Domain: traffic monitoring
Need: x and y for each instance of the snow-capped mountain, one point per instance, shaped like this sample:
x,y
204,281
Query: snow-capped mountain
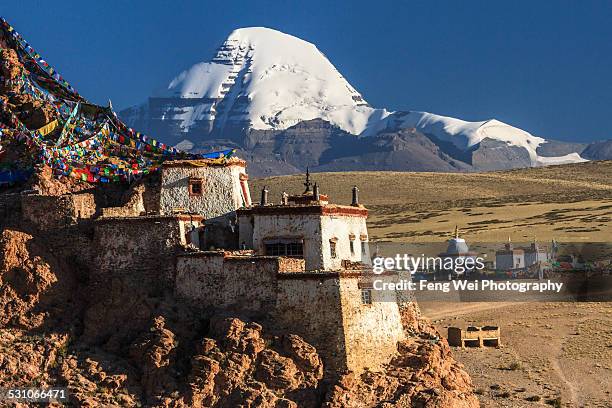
x,y
263,80
265,77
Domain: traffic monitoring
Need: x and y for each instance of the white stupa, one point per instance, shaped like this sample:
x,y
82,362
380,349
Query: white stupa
x,y
457,246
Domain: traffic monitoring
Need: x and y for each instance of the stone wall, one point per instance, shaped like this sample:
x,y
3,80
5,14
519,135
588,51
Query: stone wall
x,y
309,306
327,310
371,331
53,212
131,271
216,279
324,308
141,248
151,195
141,198
221,232
221,189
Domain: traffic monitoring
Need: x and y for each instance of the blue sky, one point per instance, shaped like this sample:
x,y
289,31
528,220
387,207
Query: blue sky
x,y
543,66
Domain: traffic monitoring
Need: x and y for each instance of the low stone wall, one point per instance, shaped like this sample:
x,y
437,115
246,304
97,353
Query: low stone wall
x,y
291,265
53,212
219,279
141,247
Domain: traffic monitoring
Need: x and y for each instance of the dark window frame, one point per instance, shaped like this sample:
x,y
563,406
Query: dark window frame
x,y
366,296
288,249
198,183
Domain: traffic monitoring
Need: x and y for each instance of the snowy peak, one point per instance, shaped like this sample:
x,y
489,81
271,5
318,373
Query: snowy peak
x,y
264,77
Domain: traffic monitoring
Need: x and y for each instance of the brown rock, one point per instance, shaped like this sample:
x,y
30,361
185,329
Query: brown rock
x,y
202,381
304,355
239,336
276,371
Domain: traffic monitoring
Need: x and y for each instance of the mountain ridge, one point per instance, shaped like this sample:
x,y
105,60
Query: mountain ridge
x,y
261,80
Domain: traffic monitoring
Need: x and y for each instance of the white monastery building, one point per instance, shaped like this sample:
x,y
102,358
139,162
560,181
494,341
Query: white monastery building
x,y
327,236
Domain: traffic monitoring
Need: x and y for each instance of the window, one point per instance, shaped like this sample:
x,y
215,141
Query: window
x,y
195,186
352,245
332,249
295,249
290,249
366,296
363,238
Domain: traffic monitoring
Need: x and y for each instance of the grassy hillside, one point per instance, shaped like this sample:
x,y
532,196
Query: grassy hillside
x,y
568,202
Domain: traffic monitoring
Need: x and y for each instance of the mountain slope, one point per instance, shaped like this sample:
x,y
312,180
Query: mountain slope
x,y
263,80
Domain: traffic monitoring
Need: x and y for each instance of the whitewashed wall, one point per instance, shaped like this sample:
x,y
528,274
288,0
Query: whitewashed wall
x,y
221,188
316,231
340,228
306,227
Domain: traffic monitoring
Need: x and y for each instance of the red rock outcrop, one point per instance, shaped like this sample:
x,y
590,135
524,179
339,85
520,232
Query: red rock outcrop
x,y
35,287
423,374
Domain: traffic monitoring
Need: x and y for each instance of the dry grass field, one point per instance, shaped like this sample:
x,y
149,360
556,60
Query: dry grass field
x,y
571,203
557,354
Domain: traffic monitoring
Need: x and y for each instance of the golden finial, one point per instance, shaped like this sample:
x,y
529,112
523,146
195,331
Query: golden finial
x,y
456,232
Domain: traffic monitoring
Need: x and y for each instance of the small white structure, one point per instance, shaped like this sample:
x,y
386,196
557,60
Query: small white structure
x,y
329,237
206,187
511,258
534,254
458,249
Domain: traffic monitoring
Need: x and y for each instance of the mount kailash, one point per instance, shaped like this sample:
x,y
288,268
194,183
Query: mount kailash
x,y
284,106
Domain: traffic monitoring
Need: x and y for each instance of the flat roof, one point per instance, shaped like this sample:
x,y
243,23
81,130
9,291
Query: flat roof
x,y
307,209
153,217
232,161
